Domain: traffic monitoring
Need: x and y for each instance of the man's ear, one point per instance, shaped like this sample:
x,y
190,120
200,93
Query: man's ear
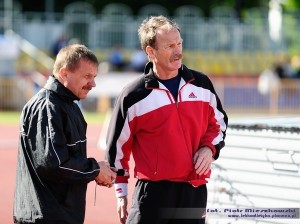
x,y
63,74
149,51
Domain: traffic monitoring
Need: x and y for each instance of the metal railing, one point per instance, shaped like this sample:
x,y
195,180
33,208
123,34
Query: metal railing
x,y
242,95
258,168
238,94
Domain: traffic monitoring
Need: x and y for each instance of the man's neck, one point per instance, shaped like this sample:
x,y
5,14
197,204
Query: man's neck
x,y
163,75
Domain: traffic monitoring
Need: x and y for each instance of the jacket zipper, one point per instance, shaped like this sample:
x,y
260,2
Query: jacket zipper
x,y
156,163
179,100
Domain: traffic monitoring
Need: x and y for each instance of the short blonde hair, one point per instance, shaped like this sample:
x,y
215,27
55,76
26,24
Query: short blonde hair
x,y
69,57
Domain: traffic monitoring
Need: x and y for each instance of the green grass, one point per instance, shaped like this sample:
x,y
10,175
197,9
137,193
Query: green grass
x,y
94,117
13,117
10,117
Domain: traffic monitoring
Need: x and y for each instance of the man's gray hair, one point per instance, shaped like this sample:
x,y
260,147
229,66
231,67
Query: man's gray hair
x,y
148,29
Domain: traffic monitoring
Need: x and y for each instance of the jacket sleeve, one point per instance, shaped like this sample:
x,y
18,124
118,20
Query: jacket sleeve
x,y
119,144
57,152
215,134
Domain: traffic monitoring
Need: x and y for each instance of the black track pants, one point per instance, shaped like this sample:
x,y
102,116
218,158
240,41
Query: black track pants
x,y
166,202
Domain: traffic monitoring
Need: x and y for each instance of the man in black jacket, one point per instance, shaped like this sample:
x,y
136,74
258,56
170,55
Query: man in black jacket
x,y
53,169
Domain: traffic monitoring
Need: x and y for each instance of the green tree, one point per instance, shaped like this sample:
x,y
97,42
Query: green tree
x,y
170,5
291,5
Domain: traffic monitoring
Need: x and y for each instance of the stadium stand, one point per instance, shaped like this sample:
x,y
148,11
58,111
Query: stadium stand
x,y
221,46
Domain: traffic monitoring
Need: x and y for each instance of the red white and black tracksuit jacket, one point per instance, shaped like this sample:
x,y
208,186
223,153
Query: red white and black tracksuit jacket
x,y
162,133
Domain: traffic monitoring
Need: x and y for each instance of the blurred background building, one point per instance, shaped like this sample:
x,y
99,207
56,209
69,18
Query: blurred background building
x,y
233,42
250,49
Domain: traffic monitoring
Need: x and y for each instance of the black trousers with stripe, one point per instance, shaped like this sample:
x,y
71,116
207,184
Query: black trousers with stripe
x,y
166,202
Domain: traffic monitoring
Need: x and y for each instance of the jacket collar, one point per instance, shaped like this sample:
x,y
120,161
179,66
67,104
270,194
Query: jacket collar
x,y
151,79
55,86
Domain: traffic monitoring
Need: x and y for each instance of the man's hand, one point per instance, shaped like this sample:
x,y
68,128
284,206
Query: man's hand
x,y
106,176
122,208
202,160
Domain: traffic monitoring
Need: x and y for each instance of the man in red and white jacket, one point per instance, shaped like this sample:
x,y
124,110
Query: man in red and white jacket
x,y
173,123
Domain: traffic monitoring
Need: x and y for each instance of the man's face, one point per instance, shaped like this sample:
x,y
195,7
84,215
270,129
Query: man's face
x,y
81,80
167,54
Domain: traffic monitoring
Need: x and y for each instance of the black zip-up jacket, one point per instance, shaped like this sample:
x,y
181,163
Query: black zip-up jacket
x,y
53,169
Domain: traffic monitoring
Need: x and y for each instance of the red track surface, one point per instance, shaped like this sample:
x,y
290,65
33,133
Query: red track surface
x,y
103,212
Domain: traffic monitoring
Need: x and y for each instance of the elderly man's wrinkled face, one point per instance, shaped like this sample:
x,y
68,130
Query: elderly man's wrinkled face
x,y
167,54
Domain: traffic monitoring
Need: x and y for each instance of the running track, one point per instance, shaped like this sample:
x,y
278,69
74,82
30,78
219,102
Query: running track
x,y
102,212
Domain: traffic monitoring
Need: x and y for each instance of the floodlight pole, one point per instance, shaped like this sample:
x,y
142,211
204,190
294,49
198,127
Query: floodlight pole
x,y
49,9
275,20
8,15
